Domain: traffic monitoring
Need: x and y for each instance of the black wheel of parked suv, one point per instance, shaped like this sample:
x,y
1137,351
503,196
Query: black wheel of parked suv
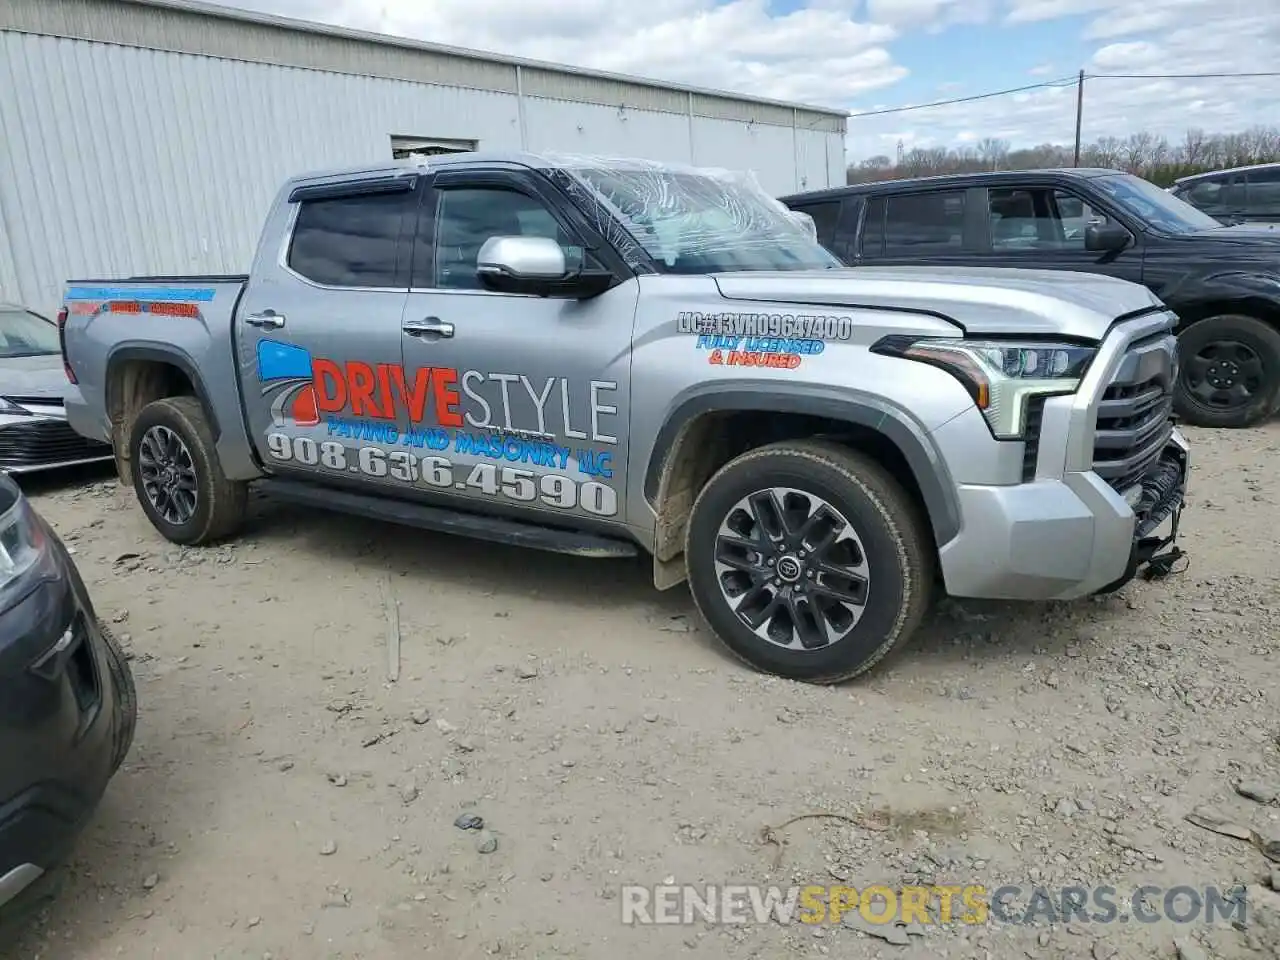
x,y
1230,374
808,560
177,477
126,694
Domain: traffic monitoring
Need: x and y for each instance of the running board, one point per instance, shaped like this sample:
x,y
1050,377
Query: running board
x,y
494,529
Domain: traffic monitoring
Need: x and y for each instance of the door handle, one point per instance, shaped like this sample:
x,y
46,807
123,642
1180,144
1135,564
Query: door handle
x,y
267,318
428,327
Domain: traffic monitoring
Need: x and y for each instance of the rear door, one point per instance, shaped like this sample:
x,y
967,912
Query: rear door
x,y
1263,204
929,226
318,329
836,221
527,398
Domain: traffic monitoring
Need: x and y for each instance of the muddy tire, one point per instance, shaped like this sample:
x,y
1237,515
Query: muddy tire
x,y
126,694
177,477
808,560
1230,372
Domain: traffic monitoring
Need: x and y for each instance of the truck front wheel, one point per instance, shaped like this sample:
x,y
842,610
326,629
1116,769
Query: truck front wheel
x,y
1230,373
808,560
177,477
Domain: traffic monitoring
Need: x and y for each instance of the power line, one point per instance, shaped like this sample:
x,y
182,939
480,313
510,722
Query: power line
x,y
1063,82
1178,76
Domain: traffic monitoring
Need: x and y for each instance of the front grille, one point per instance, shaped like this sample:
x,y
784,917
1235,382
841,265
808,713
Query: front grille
x,y
35,443
1031,449
1134,416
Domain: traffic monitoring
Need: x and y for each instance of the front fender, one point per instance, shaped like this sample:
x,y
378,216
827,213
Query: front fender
x,y
854,407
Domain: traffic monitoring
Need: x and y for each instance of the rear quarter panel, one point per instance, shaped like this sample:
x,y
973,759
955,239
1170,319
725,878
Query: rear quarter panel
x,y
187,323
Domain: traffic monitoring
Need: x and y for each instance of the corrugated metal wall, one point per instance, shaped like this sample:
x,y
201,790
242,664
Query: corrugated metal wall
x,y
118,160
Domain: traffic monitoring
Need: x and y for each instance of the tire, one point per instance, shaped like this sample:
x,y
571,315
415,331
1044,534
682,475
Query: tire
x,y
126,693
219,503
1221,347
894,544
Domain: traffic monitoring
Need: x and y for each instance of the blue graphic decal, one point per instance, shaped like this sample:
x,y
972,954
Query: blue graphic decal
x,y
152,294
761,344
282,361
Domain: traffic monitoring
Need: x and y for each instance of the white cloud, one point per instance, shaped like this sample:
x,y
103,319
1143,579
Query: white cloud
x,y
928,14
1139,37
841,53
820,54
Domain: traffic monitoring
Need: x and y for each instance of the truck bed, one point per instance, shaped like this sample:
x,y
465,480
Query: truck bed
x,y
184,321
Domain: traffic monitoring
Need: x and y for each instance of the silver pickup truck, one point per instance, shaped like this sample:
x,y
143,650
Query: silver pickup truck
x,y
601,357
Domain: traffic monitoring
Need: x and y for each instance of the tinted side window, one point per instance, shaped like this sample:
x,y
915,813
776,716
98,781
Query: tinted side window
x,y
349,241
1038,218
826,217
925,223
465,218
873,228
1264,192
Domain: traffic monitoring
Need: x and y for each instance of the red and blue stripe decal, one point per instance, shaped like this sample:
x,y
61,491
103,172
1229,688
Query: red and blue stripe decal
x,y
161,301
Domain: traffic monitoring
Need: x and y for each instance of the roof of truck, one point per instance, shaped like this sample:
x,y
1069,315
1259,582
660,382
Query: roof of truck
x,y
1192,178
951,179
517,157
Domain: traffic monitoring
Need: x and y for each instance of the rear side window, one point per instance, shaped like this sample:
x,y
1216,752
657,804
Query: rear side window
x,y
873,228
826,217
1264,192
350,241
925,223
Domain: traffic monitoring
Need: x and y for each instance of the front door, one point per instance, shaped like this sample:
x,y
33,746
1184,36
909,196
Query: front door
x,y
1043,228
319,335
526,399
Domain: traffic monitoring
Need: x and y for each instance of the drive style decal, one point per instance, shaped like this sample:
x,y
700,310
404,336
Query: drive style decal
x,y
440,396
497,417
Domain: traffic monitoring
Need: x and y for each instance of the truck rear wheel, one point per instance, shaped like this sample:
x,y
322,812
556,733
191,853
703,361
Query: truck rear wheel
x,y
1230,372
808,560
177,477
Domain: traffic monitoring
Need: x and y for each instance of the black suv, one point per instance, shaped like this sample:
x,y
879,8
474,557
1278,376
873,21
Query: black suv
x,y
67,704
1238,195
1222,282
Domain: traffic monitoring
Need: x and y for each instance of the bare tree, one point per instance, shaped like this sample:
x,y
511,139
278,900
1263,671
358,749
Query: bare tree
x,y
1142,153
993,152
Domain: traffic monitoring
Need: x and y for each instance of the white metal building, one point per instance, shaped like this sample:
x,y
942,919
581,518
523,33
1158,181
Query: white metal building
x,y
149,136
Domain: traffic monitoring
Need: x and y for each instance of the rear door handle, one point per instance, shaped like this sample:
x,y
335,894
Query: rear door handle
x,y
428,327
267,318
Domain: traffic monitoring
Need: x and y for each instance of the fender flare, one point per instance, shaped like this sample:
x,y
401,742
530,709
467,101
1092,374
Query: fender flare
x,y
174,357
849,406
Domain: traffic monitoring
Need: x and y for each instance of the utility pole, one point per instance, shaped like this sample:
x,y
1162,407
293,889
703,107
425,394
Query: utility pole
x,y
1079,113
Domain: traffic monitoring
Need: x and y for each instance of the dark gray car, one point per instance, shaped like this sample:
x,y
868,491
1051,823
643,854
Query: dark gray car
x,y
34,434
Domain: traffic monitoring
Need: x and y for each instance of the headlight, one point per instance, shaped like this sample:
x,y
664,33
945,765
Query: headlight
x,y
22,543
8,406
1000,375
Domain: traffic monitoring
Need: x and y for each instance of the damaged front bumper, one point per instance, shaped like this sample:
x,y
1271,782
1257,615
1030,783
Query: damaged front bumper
x,y
1061,539
1159,499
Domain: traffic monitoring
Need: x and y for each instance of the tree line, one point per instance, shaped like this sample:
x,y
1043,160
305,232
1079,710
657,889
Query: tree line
x,y
1152,157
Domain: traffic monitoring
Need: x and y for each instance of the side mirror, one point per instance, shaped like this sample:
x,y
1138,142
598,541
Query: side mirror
x,y
537,266
1106,238
522,258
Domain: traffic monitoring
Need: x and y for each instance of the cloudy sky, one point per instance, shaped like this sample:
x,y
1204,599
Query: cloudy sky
x,y
865,55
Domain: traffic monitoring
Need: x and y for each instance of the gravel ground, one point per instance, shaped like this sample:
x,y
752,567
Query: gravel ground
x,y
284,800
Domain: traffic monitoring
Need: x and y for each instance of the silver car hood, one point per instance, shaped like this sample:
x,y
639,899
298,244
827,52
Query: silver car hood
x,y
983,300
33,378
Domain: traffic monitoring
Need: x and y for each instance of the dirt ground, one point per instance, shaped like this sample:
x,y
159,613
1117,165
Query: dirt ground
x,y
283,800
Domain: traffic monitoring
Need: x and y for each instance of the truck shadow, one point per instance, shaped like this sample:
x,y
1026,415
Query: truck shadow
x,y
954,630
